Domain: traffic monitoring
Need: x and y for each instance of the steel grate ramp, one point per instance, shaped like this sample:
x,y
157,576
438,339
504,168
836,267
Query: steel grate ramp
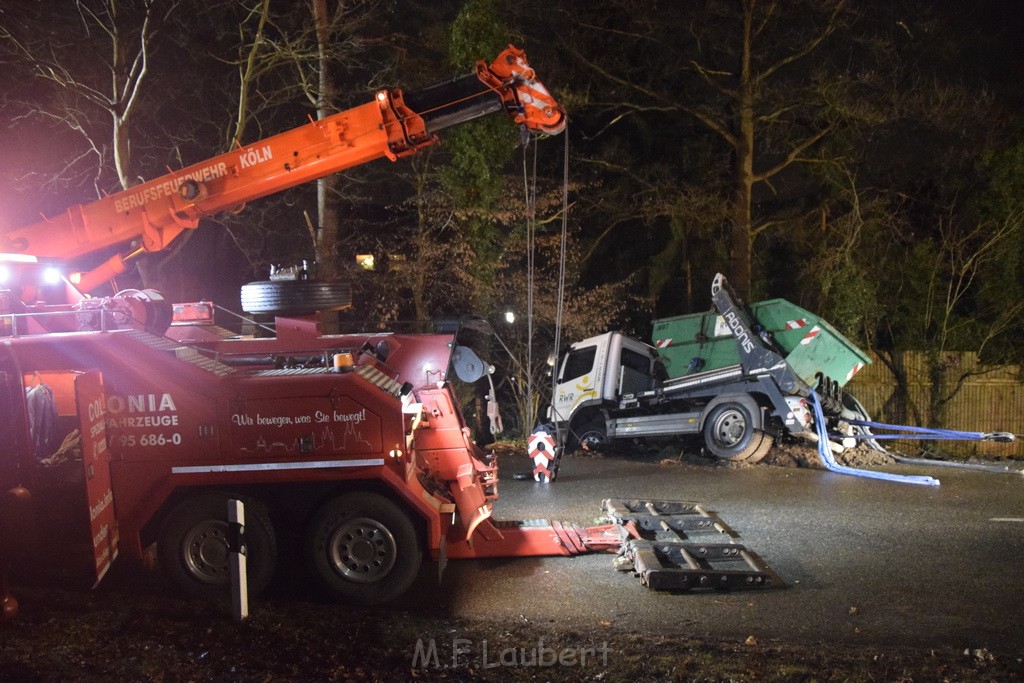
x,y
377,377
678,546
180,351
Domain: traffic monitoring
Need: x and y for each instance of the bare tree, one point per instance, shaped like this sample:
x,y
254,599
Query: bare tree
x,y
753,72
85,91
284,56
964,252
586,311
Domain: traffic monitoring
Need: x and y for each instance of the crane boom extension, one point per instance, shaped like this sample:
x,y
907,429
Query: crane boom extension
x,y
157,211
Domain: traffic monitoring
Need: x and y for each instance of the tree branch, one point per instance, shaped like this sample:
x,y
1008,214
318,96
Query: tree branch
x,y
808,47
793,155
709,77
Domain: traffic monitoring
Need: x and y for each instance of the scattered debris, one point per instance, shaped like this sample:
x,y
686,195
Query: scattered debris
x,y
980,655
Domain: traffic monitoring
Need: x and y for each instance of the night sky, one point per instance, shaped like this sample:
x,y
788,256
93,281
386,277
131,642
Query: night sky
x,y
33,150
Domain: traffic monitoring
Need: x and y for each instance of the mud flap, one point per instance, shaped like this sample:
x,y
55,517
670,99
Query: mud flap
x,y
678,546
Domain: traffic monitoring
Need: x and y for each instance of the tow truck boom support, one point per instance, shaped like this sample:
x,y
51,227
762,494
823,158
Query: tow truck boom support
x,y
157,211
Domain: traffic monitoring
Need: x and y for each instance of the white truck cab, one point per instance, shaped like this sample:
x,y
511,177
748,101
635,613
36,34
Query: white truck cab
x,y
595,377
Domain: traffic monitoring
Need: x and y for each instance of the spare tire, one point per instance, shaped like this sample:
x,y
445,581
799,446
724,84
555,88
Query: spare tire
x,y
295,297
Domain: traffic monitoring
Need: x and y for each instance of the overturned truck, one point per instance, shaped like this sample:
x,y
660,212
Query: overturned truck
x,y
740,377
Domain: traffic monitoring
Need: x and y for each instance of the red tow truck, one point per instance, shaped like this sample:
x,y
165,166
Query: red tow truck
x,y
128,422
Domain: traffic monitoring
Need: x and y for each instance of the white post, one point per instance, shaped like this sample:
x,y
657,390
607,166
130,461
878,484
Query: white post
x,y
236,544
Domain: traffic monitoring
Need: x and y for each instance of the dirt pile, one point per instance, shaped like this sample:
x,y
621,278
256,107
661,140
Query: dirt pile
x,y
781,455
804,455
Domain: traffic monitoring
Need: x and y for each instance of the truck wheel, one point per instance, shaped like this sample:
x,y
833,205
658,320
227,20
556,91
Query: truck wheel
x,y
589,434
193,546
730,431
295,297
765,445
363,549
593,436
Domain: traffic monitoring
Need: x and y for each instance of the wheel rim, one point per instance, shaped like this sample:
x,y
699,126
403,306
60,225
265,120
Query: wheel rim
x,y
362,550
593,439
729,428
206,551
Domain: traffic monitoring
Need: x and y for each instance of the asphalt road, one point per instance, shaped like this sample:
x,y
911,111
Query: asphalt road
x,y
863,561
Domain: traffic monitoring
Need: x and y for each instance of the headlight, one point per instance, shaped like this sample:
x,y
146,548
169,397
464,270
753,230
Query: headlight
x,y
51,276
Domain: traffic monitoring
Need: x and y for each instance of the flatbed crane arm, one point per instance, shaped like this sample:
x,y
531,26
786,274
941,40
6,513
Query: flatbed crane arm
x,y
154,213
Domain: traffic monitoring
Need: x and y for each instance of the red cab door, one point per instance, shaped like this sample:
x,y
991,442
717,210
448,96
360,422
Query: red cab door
x,y
96,463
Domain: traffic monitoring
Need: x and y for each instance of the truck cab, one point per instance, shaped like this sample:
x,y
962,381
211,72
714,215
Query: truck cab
x,y
56,505
612,388
596,373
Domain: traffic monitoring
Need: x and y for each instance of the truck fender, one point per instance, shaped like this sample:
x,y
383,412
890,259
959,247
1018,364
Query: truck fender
x,y
586,406
742,398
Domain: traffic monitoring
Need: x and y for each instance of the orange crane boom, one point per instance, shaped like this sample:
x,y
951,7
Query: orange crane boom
x,y
154,213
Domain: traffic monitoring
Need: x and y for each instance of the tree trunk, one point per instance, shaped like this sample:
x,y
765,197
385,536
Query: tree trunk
x,y
326,240
740,237
327,207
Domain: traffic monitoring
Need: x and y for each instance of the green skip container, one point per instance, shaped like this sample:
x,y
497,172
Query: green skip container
x,y
702,341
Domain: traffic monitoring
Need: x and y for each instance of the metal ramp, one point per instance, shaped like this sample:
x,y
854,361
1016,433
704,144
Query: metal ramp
x,y
678,546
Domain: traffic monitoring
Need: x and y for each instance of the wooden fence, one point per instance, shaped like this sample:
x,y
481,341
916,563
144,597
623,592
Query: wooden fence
x,y
990,399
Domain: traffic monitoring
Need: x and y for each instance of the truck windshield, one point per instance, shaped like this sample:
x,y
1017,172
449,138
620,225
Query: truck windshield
x,y
578,363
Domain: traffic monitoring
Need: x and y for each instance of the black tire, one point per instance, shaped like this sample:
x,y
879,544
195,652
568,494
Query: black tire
x,y
157,311
591,434
767,441
193,548
363,549
731,431
295,297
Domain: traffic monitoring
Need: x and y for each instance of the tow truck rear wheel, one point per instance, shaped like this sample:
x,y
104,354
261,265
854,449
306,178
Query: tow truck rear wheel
x,y
193,546
731,431
363,549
